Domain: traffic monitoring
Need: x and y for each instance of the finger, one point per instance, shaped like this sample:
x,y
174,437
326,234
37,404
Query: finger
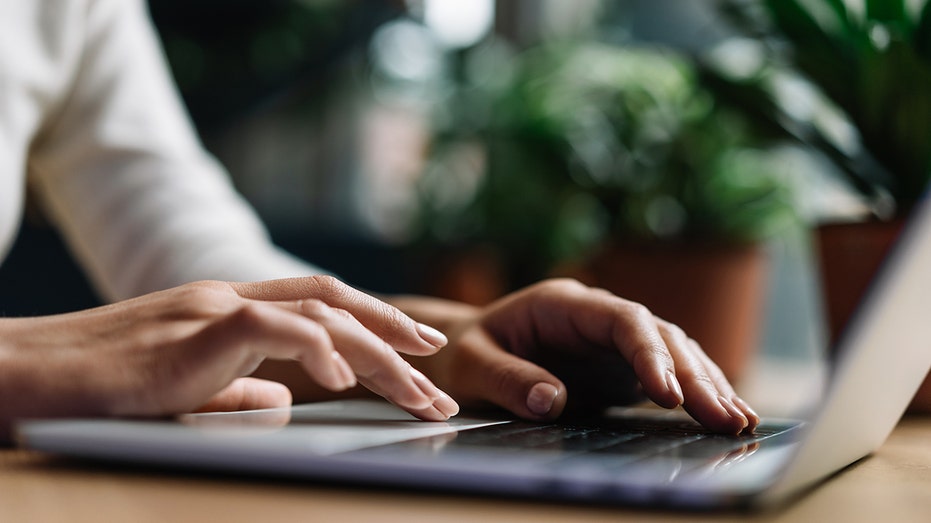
x,y
377,365
707,394
232,346
568,313
248,394
386,321
489,373
717,375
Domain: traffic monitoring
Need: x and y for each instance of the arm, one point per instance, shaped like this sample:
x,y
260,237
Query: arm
x,y
145,208
124,177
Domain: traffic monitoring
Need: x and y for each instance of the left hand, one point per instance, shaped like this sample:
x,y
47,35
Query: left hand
x,y
602,346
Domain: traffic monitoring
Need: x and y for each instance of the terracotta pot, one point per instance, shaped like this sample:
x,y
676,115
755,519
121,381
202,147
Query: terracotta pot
x,y
714,292
475,276
850,254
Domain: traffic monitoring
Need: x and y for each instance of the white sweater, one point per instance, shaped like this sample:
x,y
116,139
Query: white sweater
x,y
89,115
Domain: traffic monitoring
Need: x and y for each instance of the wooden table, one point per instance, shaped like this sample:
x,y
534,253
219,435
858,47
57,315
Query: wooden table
x,y
893,485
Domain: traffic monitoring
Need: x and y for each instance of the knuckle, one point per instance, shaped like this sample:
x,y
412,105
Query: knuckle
x,y
564,285
206,298
248,316
637,312
504,377
313,307
556,288
394,320
676,333
342,313
697,376
649,353
598,291
328,286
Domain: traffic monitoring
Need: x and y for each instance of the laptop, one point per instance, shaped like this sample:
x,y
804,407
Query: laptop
x,y
631,456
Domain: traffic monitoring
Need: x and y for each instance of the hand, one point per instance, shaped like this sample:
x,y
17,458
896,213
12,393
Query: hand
x,y
187,348
606,350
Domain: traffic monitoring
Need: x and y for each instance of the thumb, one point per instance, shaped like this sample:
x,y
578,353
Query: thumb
x,y
248,394
492,374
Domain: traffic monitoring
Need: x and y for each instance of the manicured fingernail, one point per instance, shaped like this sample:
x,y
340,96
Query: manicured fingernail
x,y
442,402
733,411
751,414
431,335
433,414
673,385
541,397
345,376
446,405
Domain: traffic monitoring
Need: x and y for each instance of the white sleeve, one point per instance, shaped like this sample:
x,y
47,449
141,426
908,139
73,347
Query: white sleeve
x,y
123,175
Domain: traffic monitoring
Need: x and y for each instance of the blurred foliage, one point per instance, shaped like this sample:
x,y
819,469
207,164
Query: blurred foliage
x,y
870,60
551,152
228,56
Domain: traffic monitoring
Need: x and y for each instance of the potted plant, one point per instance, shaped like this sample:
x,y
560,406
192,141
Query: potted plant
x,y
612,165
871,67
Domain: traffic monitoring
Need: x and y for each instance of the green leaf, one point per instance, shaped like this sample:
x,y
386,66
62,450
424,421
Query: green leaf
x,y
895,116
922,34
821,49
887,11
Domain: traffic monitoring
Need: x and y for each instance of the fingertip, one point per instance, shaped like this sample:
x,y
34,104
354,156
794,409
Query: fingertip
x,y
435,338
446,404
541,398
520,386
753,418
738,421
674,390
426,395
430,413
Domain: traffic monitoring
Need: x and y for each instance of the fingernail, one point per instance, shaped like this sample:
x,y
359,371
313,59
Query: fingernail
x,y
442,402
673,385
433,414
733,411
751,414
446,405
541,397
431,335
345,376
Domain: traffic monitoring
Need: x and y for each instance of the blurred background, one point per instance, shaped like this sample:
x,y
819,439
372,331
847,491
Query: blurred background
x,y
467,148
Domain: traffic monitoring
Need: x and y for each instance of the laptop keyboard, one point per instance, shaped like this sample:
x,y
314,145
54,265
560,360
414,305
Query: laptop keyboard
x,y
618,443
654,450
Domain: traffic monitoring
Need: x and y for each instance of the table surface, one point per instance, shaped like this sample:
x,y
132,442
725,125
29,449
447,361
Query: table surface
x,y
892,485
